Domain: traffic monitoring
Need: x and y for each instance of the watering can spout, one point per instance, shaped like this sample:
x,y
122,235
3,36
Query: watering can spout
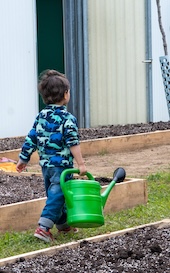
x,y
118,176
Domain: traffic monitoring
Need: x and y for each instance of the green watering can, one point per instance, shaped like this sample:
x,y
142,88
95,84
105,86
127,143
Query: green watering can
x,y
84,201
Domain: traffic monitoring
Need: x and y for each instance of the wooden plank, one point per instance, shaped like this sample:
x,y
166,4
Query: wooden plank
x,y
21,216
126,195
125,143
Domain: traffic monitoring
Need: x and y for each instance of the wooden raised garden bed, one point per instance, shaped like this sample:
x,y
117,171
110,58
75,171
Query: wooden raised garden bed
x,y
24,215
55,249
109,144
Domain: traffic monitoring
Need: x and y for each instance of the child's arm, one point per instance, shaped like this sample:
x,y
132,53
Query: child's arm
x,y
28,148
76,152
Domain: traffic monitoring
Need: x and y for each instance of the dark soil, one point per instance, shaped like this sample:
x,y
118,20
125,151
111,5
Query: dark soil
x,y
146,250
121,130
15,189
98,132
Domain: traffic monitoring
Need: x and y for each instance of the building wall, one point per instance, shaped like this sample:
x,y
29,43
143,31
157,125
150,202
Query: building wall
x,y
160,109
18,69
116,51
117,74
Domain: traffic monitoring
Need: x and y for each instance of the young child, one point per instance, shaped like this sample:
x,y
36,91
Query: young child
x,y
55,136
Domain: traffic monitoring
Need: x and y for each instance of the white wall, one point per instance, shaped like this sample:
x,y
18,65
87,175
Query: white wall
x,y
160,110
18,69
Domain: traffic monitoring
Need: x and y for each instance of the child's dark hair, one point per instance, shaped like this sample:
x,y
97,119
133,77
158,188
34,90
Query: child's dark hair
x,y
52,86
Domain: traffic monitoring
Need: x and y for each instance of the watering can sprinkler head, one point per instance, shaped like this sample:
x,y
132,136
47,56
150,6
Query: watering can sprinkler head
x,y
119,175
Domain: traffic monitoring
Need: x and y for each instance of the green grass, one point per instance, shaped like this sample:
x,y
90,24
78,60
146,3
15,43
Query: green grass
x,y
157,208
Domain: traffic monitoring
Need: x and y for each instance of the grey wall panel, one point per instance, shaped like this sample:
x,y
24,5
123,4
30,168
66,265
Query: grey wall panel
x,y
116,51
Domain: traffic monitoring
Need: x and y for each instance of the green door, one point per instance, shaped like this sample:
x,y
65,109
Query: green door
x,y
50,41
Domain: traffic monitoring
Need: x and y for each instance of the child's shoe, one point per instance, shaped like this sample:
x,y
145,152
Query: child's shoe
x,y
68,230
41,234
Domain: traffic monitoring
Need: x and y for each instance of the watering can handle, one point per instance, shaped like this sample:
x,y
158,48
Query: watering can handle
x,y
71,171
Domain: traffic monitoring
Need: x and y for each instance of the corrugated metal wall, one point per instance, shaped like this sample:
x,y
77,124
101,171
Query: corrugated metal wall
x,y
160,110
116,51
18,84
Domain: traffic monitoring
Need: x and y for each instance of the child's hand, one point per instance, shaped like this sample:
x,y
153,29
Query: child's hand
x,y
82,169
21,166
